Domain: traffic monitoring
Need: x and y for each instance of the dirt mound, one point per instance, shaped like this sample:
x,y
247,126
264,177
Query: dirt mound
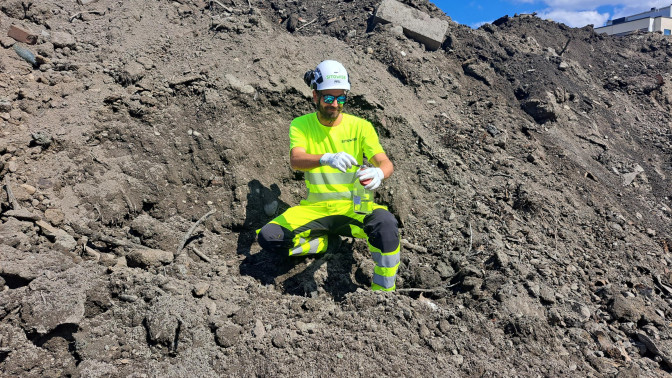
x,y
532,183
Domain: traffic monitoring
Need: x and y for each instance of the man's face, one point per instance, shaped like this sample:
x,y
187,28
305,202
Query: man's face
x,y
328,111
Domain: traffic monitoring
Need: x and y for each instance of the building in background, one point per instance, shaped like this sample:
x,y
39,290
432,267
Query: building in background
x,y
655,20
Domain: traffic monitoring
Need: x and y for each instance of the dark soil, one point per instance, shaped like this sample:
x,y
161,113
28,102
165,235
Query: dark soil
x,y
532,183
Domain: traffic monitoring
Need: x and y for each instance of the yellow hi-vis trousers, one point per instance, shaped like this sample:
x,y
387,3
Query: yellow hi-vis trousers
x,y
304,229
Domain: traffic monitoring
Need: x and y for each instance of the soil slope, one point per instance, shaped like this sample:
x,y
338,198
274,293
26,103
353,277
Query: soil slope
x,y
532,182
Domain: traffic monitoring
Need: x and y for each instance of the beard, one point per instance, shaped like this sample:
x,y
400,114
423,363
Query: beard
x,y
329,113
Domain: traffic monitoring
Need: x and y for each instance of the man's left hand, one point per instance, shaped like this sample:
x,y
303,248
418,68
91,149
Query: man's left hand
x,y
375,174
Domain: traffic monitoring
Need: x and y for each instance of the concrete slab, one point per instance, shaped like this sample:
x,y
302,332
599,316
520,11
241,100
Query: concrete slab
x,y
416,24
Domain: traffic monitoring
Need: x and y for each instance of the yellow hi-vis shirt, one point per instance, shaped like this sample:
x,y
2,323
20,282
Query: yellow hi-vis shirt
x,y
353,135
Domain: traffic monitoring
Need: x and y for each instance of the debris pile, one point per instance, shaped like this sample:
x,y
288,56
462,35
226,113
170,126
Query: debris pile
x,y
143,143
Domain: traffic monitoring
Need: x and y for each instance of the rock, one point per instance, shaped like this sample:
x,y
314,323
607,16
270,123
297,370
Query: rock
x,y
629,309
563,66
147,63
258,331
6,42
628,178
279,340
200,289
53,301
417,25
161,327
533,289
479,70
29,189
5,105
24,268
147,257
62,240
457,359
20,192
227,335
584,311
154,233
54,216
472,283
41,139
65,242
16,114
13,166
292,22
238,85
547,294
501,258
131,73
62,39
22,214
542,111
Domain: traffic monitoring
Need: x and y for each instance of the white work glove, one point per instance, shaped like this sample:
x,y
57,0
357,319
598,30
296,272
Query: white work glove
x,y
341,160
376,176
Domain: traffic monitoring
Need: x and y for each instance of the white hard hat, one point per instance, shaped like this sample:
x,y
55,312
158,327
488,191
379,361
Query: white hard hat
x,y
329,74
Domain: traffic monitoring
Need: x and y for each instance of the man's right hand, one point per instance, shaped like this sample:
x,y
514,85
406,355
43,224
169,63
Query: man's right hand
x,y
340,160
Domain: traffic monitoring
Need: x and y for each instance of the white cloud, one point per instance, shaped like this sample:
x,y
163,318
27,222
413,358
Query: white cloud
x,y
579,13
586,5
630,9
576,19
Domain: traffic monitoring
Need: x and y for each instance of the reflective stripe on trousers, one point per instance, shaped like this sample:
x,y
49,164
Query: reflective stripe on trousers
x,y
311,247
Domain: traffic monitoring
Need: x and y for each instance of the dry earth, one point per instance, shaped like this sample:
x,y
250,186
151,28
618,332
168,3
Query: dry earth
x,y
532,183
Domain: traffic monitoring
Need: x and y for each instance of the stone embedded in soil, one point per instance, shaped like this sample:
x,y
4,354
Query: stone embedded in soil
x,y
227,335
201,288
239,85
146,62
25,267
62,39
417,25
54,216
259,331
29,189
629,309
279,340
5,105
147,257
20,193
22,214
546,294
55,301
161,327
62,240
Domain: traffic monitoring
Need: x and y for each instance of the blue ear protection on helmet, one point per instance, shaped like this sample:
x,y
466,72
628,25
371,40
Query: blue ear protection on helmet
x,y
312,78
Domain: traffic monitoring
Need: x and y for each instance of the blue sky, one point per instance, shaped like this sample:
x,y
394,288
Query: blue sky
x,y
575,13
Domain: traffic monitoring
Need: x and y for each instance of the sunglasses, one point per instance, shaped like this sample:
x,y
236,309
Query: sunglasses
x,y
329,99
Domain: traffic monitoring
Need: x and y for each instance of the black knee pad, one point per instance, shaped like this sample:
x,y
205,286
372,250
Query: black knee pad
x,y
382,229
275,238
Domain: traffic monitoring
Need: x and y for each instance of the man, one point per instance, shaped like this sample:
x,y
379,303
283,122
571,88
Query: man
x,y
329,146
